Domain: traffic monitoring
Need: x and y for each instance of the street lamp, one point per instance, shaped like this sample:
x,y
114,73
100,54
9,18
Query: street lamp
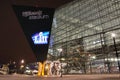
x,y
22,61
117,55
22,66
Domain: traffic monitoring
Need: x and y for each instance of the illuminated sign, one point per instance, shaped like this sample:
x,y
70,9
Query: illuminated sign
x,y
40,38
34,15
36,23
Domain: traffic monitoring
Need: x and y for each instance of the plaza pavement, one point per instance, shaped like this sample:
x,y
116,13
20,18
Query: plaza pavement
x,y
64,77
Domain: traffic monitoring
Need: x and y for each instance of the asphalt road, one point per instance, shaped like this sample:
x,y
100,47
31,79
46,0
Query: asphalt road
x,y
66,77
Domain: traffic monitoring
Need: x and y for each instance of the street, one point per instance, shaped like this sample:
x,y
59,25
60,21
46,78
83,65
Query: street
x,y
65,77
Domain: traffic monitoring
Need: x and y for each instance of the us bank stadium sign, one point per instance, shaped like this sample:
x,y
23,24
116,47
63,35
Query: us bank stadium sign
x,y
36,23
32,15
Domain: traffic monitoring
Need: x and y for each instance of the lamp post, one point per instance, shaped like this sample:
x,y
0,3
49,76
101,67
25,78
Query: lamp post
x,y
117,55
22,63
22,66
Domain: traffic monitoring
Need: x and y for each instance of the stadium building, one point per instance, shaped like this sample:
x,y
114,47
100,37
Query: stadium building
x,y
85,36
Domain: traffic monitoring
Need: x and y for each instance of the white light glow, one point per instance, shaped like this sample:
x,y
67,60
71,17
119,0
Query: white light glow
x,y
60,50
113,34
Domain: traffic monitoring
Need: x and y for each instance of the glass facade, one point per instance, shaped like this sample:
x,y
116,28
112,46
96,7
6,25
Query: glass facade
x,y
81,34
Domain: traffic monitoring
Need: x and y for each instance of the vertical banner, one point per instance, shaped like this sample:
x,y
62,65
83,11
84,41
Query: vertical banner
x,y
36,23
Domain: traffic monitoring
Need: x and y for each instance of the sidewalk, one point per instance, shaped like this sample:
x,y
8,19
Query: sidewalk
x,y
84,77
93,77
64,77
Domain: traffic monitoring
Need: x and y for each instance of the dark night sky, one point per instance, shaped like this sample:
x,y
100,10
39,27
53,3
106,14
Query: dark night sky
x,y
13,43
